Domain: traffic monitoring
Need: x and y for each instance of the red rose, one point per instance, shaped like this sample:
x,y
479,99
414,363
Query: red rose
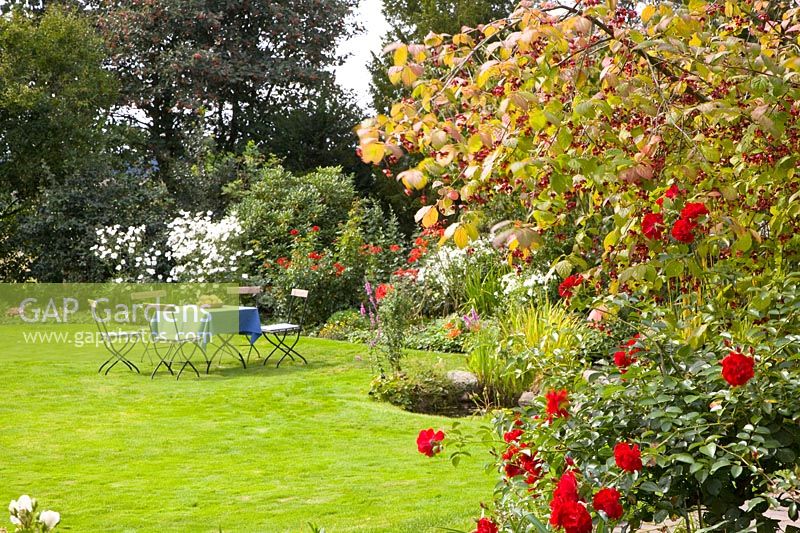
x,y
339,268
575,518
607,500
682,230
394,247
512,435
315,228
485,525
623,359
628,457
316,256
382,290
557,402
693,210
566,488
652,226
565,509
737,369
566,286
672,192
429,442
293,232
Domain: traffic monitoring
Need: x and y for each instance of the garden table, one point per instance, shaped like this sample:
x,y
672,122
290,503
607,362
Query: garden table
x,y
201,325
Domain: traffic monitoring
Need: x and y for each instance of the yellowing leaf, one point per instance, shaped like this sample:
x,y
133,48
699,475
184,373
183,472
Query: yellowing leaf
x,y
373,153
401,55
413,179
428,215
395,73
647,13
695,40
461,237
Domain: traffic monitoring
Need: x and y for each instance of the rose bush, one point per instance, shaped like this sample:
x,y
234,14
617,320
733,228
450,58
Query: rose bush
x,y
667,141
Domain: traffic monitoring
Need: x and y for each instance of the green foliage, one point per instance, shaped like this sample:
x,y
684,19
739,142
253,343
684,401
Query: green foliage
x,y
423,389
348,325
364,247
526,344
411,20
437,335
58,233
220,67
390,308
54,94
276,201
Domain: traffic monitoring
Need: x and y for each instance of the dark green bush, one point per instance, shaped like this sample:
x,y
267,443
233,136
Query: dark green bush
x,y
422,390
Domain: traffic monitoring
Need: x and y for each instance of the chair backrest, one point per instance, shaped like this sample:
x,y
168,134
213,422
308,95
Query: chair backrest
x,y
163,321
294,296
253,290
101,324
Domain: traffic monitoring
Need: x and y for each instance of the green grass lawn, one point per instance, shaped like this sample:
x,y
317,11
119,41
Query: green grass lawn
x,y
255,450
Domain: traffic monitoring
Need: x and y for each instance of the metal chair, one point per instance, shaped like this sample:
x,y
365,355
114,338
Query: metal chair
x,y
171,325
148,338
276,334
111,339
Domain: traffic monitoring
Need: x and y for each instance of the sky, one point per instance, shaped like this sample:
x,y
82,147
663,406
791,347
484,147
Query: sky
x,y
354,74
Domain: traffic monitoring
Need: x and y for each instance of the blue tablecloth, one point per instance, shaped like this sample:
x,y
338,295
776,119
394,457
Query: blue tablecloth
x,y
224,320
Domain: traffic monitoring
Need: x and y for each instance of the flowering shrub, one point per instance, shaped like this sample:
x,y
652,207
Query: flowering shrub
x,y
669,141
27,520
194,248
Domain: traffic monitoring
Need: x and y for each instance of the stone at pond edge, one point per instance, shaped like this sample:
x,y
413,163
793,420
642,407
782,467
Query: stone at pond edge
x,y
527,399
464,381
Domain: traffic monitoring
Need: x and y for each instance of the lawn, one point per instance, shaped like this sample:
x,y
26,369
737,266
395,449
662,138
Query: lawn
x,y
255,450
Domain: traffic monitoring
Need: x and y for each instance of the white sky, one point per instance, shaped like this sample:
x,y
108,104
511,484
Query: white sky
x,y
354,74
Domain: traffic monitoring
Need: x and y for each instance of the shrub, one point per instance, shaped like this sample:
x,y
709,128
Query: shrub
x,y
278,201
348,325
446,334
423,389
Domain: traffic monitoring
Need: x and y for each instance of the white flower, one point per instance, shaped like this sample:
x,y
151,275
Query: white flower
x,y
16,521
50,519
25,503
12,507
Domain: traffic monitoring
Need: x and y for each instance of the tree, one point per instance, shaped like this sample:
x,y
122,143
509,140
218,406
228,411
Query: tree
x,y
412,20
57,234
669,141
219,66
54,95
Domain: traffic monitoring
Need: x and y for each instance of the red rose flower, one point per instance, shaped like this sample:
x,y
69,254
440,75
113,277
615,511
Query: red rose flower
x,y
382,290
623,359
512,435
693,210
566,286
683,230
314,267
485,525
653,225
316,256
628,457
565,509
566,488
315,228
607,500
672,192
574,518
737,368
293,232
429,442
557,402
394,248
339,268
